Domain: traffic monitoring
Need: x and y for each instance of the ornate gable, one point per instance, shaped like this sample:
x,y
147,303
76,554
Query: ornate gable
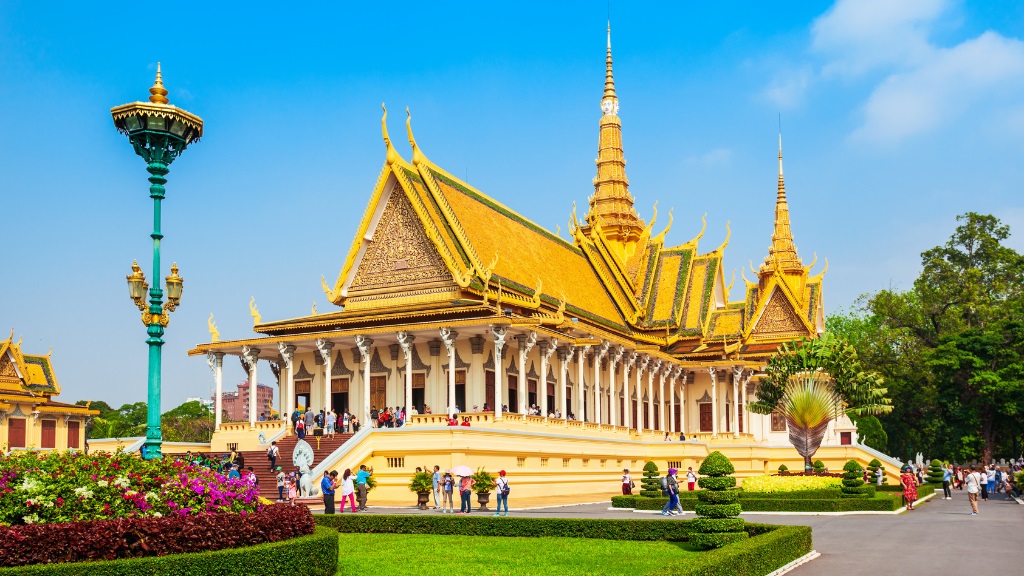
x,y
779,318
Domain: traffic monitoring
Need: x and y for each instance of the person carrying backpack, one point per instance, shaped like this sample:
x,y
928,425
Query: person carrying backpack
x,y
503,490
670,488
272,453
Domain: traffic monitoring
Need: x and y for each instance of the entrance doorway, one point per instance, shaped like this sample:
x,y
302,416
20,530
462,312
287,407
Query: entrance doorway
x,y
531,395
513,394
551,399
419,390
460,389
16,432
378,391
301,396
568,403
339,394
489,389
705,416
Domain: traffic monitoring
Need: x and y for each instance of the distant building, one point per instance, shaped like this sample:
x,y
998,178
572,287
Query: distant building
x,y
208,404
236,404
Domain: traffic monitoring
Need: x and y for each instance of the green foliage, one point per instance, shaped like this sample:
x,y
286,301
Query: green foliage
x,y
819,466
484,481
189,422
317,554
935,472
717,510
853,481
718,496
763,553
716,525
716,464
883,502
712,483
871,434
649,483
771,484
951,346
714,540
783,468
852,466
421,482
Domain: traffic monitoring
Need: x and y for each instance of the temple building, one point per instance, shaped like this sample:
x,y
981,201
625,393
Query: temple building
x,y
451,300
29,416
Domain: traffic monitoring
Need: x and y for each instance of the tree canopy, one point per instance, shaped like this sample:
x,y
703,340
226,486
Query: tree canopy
x,y
189,422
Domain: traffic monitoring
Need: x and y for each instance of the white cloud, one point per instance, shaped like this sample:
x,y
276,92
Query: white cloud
x,y
921,85
954,80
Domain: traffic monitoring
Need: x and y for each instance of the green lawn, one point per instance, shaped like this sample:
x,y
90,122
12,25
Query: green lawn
x,y
485,555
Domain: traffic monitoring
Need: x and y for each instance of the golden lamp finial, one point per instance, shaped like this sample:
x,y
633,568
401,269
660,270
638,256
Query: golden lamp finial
x,y
158,94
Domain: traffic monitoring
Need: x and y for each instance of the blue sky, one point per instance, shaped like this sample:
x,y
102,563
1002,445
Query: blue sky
x,y
896,116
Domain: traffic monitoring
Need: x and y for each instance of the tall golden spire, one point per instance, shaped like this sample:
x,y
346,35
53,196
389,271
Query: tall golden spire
x,y
158,94
611,206
782,253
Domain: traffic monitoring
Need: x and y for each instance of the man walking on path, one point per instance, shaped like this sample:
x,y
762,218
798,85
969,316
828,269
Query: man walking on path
x,y
361,479
973,482
670,488
435,481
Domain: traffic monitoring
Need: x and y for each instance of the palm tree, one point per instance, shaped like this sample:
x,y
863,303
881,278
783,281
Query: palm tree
x,y
813,381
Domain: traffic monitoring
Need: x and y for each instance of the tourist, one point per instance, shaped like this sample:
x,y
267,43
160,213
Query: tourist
x,y
239,461
344,421
465,421
453,422
991,475
448,489
348,490
251,478
879,476
691,479
374,417
974,484
670,488
959,477
293,489
280,484
309,419
233,473
503,489
435,481
300,429
272,454
263,416
354,422
909,482
295,417
332,420
361,478
627,483
426,409
983,477
947,475
679,502
327,489
465,490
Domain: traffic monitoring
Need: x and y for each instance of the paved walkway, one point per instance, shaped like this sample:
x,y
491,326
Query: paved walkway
x,y
940,536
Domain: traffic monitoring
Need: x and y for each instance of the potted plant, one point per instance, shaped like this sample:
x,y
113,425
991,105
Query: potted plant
x,y
422,483
483,484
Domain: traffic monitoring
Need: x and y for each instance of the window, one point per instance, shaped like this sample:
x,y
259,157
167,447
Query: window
x,y
845,438
74,432
604,463
586,462
49,434
565,462
520,462
543,462
16,432
396,462
778,422
677,464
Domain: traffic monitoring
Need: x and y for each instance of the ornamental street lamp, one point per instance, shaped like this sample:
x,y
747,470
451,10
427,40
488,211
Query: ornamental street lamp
x,y
159,132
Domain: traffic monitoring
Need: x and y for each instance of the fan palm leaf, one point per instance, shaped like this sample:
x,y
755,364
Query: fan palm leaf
x,y
809,403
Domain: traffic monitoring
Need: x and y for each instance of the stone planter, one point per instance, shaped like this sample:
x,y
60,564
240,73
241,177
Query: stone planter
x,y
483,498
422,498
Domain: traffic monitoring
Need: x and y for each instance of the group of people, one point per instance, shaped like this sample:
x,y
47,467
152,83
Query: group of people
x,y
669,485
353,488
330,421
444,486
979,480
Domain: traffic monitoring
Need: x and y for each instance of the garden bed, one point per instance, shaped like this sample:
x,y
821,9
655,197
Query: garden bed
x,y
560,545
813,501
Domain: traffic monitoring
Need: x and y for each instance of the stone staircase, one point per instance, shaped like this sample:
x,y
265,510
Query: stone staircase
x,y
267,478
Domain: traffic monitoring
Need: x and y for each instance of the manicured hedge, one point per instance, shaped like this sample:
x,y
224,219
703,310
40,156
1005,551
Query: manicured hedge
x,y
137,537
877,504
764,552
314,554
632,529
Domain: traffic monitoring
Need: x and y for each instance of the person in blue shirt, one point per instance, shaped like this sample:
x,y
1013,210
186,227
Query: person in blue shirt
x,y
327,488
361,478
947,477
436,481
234,473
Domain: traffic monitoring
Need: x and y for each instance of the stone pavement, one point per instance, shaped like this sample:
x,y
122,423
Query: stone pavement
x,y
940,536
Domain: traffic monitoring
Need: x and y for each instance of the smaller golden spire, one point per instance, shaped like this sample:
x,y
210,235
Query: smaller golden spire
x,y
782,253
609,80
158,94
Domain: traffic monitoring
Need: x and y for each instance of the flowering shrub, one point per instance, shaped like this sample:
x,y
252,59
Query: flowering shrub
x,y
136,537
771,484
55,486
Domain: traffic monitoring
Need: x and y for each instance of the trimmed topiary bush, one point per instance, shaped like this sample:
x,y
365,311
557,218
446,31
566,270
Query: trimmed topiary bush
x,y
819,466
853,480
783,469
935,472
717,505
873,468
649,485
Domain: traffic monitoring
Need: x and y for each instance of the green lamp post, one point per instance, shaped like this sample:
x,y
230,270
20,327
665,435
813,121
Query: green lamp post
x,y
159,132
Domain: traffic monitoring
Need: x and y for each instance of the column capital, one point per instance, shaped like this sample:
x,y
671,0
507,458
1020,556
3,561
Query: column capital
x,y
631,360
616,356
713,372
405,341
324,346
526,342
252,355
287,353
599,353
214,359
364,343
547,349
476,344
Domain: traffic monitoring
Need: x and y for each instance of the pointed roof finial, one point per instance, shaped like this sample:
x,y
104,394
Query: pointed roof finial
x,y
417,156
782,253
609,80
158,94
391,155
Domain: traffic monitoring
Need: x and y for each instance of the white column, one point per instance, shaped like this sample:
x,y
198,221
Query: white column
x,y
499,333
737,375
639,393
613,400
626,366
252,356
661,396
365,350
582,353
650,393
746,411
565,358
325,346
526,343
683,404
216,362
448,337
546,350
674,376
599,355
287,356
713,372
405,341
